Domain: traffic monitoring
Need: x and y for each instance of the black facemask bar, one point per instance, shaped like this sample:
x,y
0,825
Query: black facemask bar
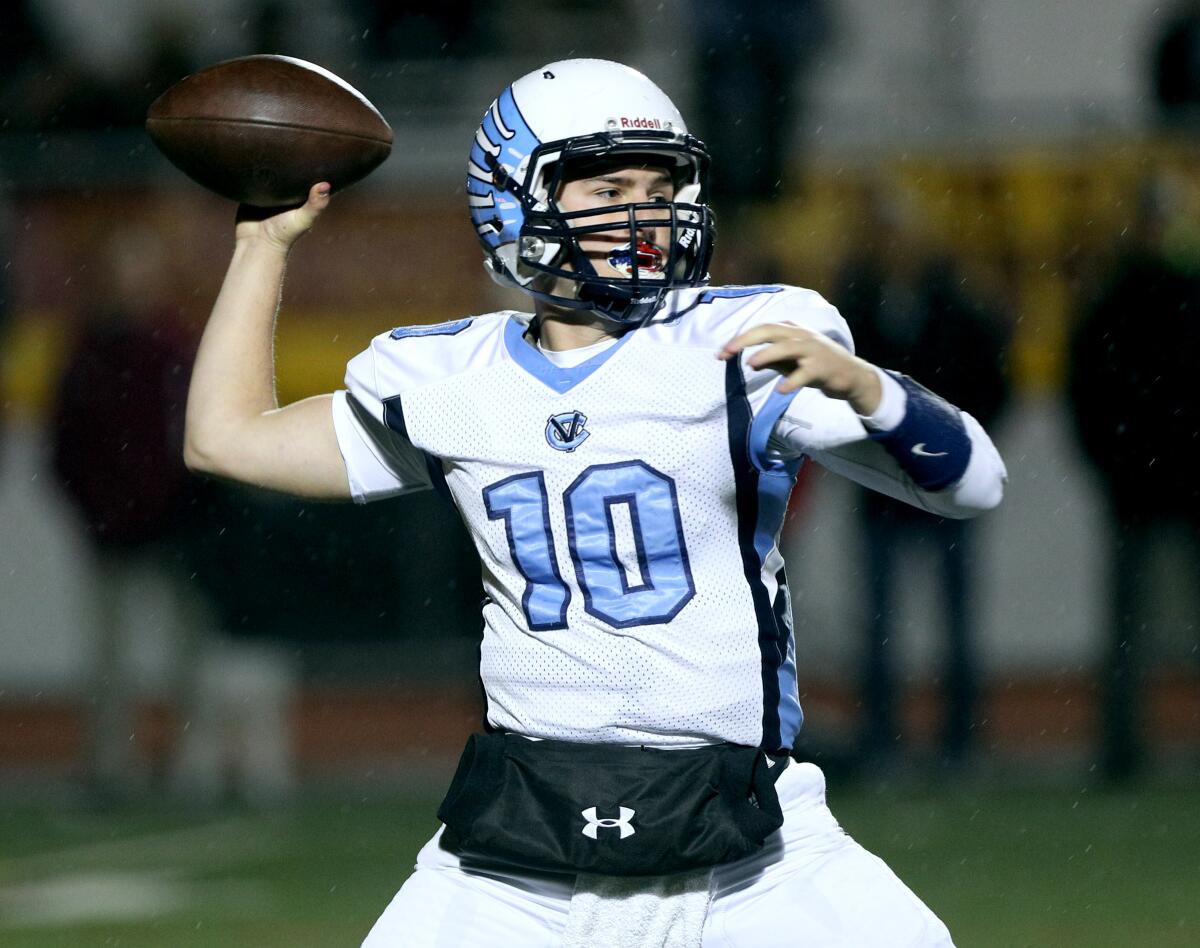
x,y
688,250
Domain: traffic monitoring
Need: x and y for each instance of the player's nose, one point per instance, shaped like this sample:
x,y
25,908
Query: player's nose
x,y
651,228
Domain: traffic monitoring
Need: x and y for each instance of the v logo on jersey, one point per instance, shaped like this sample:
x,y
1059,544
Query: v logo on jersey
x,y
625,815
566,432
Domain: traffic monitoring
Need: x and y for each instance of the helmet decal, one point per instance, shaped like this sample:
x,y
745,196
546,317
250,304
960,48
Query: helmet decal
x,y
504,140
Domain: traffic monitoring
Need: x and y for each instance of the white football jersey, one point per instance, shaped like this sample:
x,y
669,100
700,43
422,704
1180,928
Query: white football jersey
x,y
626,510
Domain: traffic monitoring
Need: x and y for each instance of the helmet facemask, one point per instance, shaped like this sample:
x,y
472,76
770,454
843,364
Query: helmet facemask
x,y
551,265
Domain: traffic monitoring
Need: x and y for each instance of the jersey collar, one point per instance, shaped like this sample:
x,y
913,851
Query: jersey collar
x,y
558,378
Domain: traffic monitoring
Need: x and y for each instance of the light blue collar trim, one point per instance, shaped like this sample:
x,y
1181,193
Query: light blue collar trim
x,y
559,378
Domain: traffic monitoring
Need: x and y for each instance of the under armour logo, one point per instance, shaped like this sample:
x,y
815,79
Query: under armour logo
x,y
565,432
593,824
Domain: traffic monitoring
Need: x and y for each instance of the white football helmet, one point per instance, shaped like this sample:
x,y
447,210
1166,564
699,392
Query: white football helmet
x,y
561,116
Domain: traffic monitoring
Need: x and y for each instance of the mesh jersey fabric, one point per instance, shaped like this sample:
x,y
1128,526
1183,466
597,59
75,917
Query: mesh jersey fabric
x,y
626,511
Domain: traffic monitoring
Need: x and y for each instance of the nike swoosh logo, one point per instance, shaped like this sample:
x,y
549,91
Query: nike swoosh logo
x,y
919,451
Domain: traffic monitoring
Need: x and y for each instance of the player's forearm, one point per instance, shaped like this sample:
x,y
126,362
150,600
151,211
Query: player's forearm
x,y
922,450
233,382
979,489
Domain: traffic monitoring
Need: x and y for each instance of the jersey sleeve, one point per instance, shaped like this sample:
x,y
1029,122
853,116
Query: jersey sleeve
x,y
380,461
917,447
808,310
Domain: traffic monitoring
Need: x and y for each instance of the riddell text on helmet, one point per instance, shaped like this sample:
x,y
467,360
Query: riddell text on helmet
x,y
640,122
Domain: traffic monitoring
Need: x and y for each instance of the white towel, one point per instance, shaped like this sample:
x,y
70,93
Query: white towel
x,y
639,911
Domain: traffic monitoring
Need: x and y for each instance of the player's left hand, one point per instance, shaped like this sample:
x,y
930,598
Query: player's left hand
x,y
807,358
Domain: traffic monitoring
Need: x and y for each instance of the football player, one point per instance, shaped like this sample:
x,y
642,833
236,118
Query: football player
x,y
622,456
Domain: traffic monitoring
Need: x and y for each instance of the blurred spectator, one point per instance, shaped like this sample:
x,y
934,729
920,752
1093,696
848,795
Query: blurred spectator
x,y
1133,395
286,576
1176,67
752,58
117,452
911,311
751,62
285,570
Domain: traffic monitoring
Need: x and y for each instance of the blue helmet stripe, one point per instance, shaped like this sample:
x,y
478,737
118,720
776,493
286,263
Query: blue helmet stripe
x,y
504,136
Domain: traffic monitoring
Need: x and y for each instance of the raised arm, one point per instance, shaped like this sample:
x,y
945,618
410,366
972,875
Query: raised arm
x,y
235,427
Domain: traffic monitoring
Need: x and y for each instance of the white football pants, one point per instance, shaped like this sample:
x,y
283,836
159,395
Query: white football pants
x,y
811,885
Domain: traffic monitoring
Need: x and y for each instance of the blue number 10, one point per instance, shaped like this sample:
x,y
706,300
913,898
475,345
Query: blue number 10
x,y
664,583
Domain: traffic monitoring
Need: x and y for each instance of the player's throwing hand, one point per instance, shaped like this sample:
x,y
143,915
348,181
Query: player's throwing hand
x,y
807,358
282,228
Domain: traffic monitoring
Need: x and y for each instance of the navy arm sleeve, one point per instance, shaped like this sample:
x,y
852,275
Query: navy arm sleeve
x,y
931,444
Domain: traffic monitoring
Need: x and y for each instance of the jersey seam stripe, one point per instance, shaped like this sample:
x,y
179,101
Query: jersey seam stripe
x,y
361,417
393,417
746,488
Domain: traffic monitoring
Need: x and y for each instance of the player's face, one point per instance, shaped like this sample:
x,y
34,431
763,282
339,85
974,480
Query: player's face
x,y
610,252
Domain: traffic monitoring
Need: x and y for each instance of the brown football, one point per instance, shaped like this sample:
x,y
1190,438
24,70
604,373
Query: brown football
x,y
263,129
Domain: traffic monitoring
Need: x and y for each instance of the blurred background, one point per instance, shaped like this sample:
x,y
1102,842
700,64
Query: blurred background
x,y
226,716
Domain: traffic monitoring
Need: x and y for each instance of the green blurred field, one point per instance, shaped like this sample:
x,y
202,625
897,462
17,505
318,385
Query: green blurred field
x,y
1002,867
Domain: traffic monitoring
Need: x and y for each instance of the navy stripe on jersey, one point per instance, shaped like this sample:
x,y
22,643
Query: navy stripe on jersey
x,y
774,489
718,293
931,443
758,494
393,417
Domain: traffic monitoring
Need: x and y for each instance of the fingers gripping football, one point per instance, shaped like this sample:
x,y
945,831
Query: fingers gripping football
x,y
806,358
282,227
